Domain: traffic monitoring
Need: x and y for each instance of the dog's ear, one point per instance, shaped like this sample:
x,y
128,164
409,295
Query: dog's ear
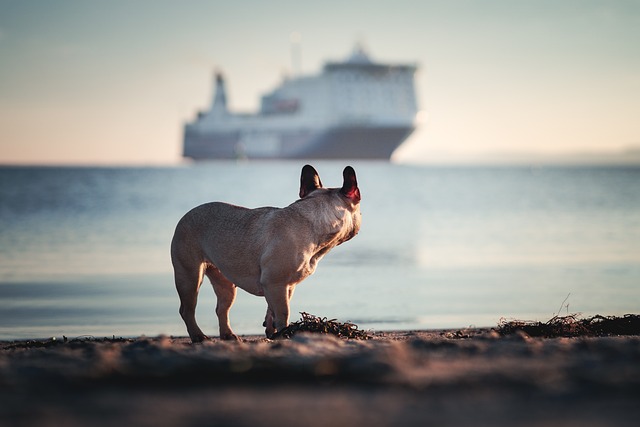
x,y
350,185
309,181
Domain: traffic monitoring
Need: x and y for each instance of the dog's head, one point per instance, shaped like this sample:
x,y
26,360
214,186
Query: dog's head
x,y
344,201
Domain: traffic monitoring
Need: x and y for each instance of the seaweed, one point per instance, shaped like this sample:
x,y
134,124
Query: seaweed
x,y
572,326
315,324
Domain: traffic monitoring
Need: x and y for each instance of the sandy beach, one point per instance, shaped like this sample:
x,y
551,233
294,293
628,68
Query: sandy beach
x,y
445,378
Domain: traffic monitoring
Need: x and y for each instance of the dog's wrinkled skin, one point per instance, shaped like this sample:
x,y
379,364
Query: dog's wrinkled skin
x,y
265,251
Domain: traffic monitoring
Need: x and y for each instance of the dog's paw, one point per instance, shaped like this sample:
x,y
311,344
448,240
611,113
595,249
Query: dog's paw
x,y
199,338
279,335
230,337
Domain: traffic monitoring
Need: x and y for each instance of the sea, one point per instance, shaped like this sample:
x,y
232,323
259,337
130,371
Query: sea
x,y
84,251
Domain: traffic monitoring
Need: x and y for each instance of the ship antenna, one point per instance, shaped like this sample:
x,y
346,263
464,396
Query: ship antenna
x,y
296,53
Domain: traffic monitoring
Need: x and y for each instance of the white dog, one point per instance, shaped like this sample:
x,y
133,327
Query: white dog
x,y
265,251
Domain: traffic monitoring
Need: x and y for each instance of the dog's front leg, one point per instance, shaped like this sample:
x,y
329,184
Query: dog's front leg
x,y
269,319
278,297
269,323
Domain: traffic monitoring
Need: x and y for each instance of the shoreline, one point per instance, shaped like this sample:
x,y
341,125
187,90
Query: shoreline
x,y
441,377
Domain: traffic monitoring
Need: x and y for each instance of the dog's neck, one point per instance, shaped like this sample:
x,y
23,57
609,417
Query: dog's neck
x,y
335,223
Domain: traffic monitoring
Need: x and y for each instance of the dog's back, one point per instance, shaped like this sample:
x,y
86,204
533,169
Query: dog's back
x,y
227,236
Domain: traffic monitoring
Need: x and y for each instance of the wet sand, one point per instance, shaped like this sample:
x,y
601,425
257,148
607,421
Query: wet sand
x,y
442,378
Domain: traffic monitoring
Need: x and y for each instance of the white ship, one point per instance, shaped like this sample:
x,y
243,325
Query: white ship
x,y
354,109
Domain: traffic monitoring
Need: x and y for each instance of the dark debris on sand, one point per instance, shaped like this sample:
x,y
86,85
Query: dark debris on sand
x,y
54,342
572,326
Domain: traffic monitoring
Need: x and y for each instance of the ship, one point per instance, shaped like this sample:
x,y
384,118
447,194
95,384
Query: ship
x,y
353,109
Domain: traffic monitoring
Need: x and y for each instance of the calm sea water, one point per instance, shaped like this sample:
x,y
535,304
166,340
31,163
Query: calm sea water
x,y
86,250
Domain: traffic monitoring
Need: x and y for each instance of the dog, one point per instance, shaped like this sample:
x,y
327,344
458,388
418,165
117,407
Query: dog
x,y
265,251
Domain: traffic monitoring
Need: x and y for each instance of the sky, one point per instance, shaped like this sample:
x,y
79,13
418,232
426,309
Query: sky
x,y
97,82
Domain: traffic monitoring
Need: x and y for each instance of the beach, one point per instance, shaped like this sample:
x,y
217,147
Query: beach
x,y
445,378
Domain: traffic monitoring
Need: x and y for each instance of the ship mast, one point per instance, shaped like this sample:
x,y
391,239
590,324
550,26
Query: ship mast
x,y
219,104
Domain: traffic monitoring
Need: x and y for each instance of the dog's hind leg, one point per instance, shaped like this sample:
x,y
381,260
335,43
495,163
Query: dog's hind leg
x,y
226,295
188,283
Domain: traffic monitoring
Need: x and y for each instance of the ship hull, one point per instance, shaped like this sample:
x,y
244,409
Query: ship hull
x,y
342,142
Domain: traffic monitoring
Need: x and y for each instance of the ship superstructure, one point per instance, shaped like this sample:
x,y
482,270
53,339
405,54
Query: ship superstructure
x,y
356,109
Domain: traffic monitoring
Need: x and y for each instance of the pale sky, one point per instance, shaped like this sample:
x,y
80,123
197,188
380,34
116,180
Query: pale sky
x,y
114,81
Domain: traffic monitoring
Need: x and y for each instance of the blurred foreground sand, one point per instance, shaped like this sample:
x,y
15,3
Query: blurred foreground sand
x,y
441,378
